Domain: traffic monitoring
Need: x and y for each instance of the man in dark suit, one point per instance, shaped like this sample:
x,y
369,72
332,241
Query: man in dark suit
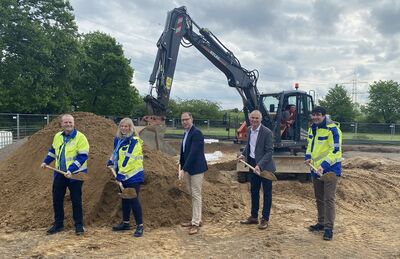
x,y
192,167
258,153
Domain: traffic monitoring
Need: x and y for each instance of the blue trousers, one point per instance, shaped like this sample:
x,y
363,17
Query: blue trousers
x,y
132,204
60,185
255,185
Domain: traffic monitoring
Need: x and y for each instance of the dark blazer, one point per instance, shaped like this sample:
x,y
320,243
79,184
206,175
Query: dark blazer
x,y
193,160
264,149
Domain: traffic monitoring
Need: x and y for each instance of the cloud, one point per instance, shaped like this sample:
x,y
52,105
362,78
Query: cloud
x,y
316,43
387,18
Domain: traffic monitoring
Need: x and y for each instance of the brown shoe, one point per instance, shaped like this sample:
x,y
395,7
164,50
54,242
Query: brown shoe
x,y
193,230
249,220
189,224
186,224
263,224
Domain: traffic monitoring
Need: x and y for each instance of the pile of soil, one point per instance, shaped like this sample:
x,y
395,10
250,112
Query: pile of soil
x,y
26,199
369,163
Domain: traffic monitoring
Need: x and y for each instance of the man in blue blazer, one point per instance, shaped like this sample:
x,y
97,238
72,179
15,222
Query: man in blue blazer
x,y
192,167
258,153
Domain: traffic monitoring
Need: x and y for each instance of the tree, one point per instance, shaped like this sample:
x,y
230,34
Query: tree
x,y
200,109
37,58
338,104
384,99
105,76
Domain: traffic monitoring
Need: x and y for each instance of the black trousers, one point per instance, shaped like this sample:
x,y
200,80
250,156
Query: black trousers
x,y
133,205
60,184
255,185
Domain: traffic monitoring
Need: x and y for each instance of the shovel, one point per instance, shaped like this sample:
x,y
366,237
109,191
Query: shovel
x,y
264,174
75,175
126,193
326,177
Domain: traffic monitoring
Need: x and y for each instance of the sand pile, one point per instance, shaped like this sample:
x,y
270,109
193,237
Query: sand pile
x,y
369,163
26,200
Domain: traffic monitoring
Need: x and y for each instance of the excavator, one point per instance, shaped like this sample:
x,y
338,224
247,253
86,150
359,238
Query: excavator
x,y
180,29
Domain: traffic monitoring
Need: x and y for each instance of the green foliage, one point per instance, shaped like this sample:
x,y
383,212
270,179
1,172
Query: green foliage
x,y
339,105
200,109
361,113
37,58
384,102
104,82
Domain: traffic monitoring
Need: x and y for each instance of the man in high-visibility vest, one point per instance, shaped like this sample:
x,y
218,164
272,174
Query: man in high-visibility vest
x,y
70,151
324,153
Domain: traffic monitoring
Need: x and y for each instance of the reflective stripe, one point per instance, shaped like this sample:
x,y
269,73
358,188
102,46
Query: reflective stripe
x,y
68,159
83,152
80,170
77,163
130,174
334,161
134,157
51,155
321,156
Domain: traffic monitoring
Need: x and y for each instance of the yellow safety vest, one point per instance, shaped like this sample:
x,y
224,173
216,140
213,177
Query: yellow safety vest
x,y
134,162
76,145
325,145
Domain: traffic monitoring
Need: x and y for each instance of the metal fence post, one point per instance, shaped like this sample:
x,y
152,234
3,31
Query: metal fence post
x,y
48,119
17,125
392,130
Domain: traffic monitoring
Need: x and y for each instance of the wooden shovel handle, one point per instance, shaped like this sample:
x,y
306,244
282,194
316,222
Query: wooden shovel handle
x,y
265,174
62,172
121,187
74,176
314,168
251,167
55,169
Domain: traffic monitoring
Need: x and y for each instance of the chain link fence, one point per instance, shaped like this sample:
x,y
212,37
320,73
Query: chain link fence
x,y
18,126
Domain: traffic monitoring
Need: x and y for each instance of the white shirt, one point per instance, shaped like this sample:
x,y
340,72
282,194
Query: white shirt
x,y
184,139
253,141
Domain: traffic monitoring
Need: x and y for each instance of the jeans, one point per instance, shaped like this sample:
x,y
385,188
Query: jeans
x,y
255,185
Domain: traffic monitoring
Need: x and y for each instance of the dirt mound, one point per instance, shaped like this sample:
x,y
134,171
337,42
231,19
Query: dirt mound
x,y
368,163
25,196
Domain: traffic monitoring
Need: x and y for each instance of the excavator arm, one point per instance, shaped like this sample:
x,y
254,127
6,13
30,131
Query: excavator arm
x,y
179,30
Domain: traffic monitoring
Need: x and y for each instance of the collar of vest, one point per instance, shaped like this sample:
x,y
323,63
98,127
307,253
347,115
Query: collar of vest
x,y
72,135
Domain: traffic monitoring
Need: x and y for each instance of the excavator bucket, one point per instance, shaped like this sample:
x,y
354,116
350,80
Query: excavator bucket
x,y
153,136
291,165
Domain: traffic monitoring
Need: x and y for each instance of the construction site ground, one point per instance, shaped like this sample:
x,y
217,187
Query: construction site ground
x,y
367,225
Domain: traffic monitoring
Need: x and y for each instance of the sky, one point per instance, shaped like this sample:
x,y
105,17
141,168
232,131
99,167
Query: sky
x,y
316,44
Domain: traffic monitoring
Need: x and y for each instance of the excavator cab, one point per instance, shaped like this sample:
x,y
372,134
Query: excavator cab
x,y
289,118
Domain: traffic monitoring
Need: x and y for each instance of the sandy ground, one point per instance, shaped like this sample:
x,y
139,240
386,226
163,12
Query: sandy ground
x,y
367,224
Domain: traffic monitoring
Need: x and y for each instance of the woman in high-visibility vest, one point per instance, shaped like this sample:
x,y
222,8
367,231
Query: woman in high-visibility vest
x,y
127,160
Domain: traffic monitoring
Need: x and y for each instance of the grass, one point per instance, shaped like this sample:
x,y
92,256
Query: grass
x,y
371,136
223,133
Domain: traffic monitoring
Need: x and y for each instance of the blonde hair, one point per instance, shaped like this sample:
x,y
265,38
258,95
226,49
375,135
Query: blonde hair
x,y
132,130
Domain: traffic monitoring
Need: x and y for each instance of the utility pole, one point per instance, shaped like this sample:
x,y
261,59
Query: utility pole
x,y
354,89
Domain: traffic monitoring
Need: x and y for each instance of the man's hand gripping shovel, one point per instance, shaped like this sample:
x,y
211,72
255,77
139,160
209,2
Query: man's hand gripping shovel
x,y
77,175
326,177
126,193
264,174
